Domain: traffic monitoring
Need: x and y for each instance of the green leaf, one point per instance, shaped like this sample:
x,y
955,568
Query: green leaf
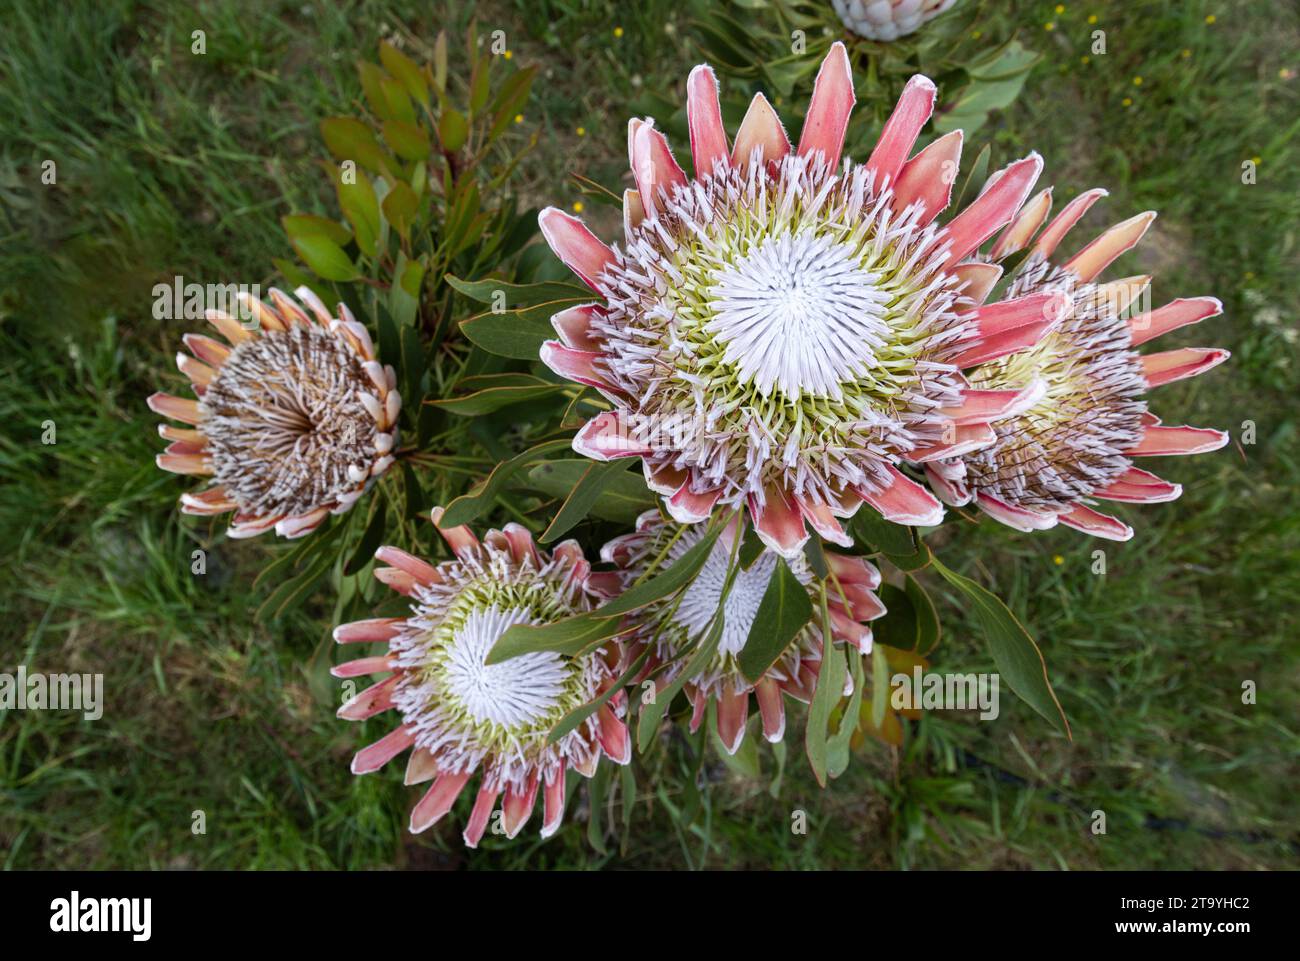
x,y
408,140
1018,658
370,540
308,225
404,69
400,207
569,637
404,295
879,687
350,139
517,295
623,499
675,576
583,496
647,721
325,258
570,721
470,506
452,129
783,612
870,528
830,687
517,334
360,206
494,398
839,743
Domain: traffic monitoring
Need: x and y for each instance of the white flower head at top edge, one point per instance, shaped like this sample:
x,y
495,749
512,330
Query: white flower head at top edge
x,y
782,331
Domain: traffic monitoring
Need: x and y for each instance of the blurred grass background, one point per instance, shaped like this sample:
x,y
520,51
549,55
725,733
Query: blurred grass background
x,y
170,163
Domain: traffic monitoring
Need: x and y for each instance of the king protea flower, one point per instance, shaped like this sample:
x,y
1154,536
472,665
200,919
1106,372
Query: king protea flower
x,y
674,626
888,19
781,331
1076,443
292,421
461,715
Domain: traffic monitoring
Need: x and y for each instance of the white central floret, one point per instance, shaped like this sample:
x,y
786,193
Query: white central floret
x,y
513,694
686,624
795,330
800,314
468,712
700,600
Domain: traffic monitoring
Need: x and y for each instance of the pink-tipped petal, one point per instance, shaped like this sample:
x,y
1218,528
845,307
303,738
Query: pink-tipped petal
x,y
375,699
979,280
1175,314
1070,215
522,545
579,249
929,176
779,522
1085,519
397,579
1102,252
1137,486
849,631
901,130
828,112
985,406
688,507
1003,195
633,216
460,539
821,519
853,570
182,409
422,571
214,500
1022,229
1171,441
951,490
760,130
363,667
574,326
190,464
1012,325
437,801
704,118
958,440
1015,517
613,735
479,816
374,629
1171,365
421,766
228,327
905,501
733,712
605,437
859,602
771,708
210,351
653,166
517,806
553,804
372,758
1116,296
576,365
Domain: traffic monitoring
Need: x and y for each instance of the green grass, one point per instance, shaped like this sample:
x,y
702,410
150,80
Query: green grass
x,y
169,163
